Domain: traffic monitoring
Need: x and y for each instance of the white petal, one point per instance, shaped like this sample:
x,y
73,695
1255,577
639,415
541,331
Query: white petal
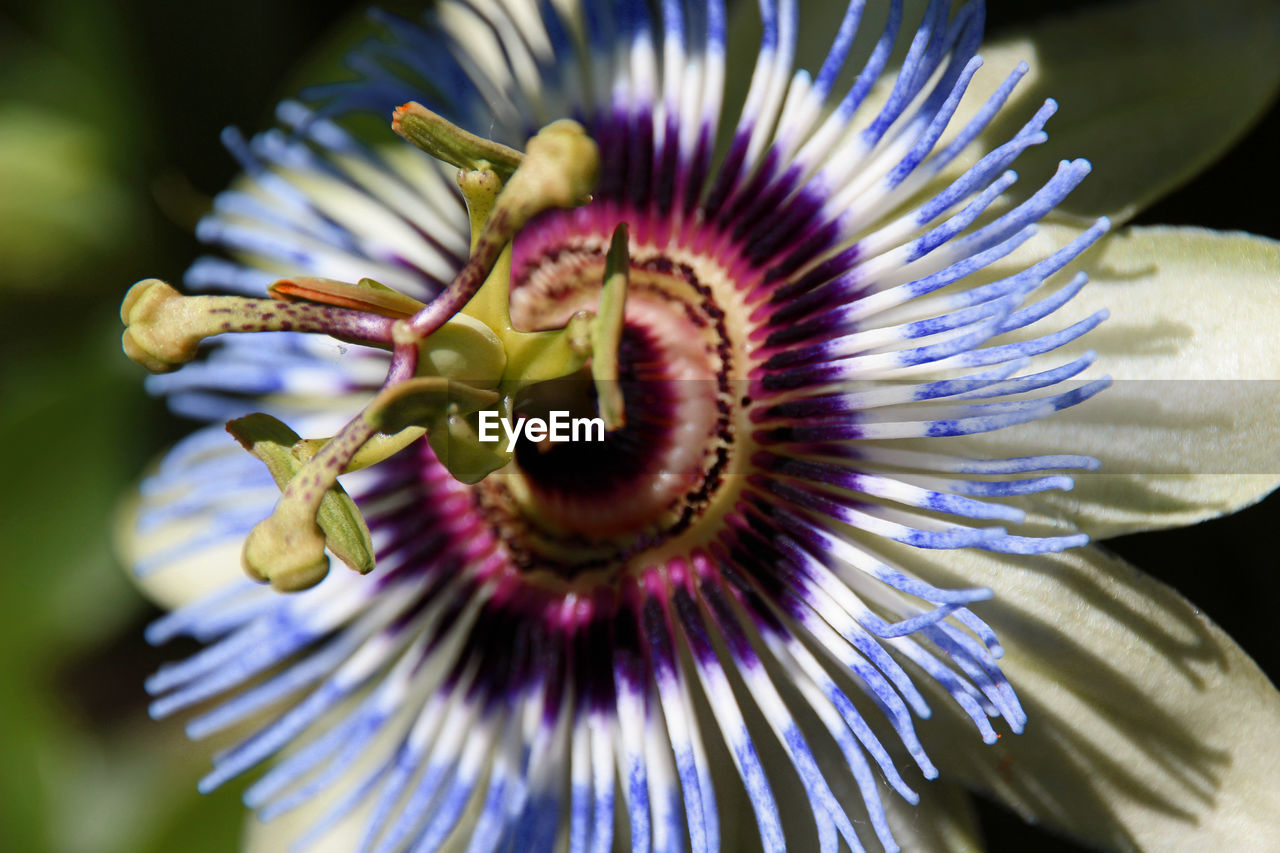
x,y
188,578
1189,429
277,835
1149,728
944,822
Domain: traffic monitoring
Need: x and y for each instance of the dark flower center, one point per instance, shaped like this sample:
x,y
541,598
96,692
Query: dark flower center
x,y
573,507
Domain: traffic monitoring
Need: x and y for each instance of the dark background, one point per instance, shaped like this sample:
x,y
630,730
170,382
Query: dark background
x,y
113,110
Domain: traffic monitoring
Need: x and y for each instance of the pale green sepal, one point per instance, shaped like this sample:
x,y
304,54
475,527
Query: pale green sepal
x,y
190,577
345,531
1148,727
1188,430
1150,92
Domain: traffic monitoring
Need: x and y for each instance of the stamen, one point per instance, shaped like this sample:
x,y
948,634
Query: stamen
x,y
343,528
606,331
446,364
287,548
559,170
163,328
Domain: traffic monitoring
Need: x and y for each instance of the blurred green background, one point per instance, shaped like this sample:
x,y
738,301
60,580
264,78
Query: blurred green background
x,y
109,153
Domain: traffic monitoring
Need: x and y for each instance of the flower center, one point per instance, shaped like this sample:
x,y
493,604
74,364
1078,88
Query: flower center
x,y
553,291
585,506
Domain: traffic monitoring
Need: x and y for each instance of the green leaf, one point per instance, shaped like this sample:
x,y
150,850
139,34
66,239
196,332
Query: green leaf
x,y
60,199
1151,92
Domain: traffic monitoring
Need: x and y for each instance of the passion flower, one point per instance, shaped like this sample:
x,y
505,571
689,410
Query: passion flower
x,y
572,641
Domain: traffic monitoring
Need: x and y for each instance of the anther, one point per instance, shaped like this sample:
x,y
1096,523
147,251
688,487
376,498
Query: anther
x,y
446,141
559,170
163,328
288,548
289,551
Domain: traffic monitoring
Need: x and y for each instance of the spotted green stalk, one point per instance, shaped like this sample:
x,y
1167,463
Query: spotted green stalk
x,y
453,357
